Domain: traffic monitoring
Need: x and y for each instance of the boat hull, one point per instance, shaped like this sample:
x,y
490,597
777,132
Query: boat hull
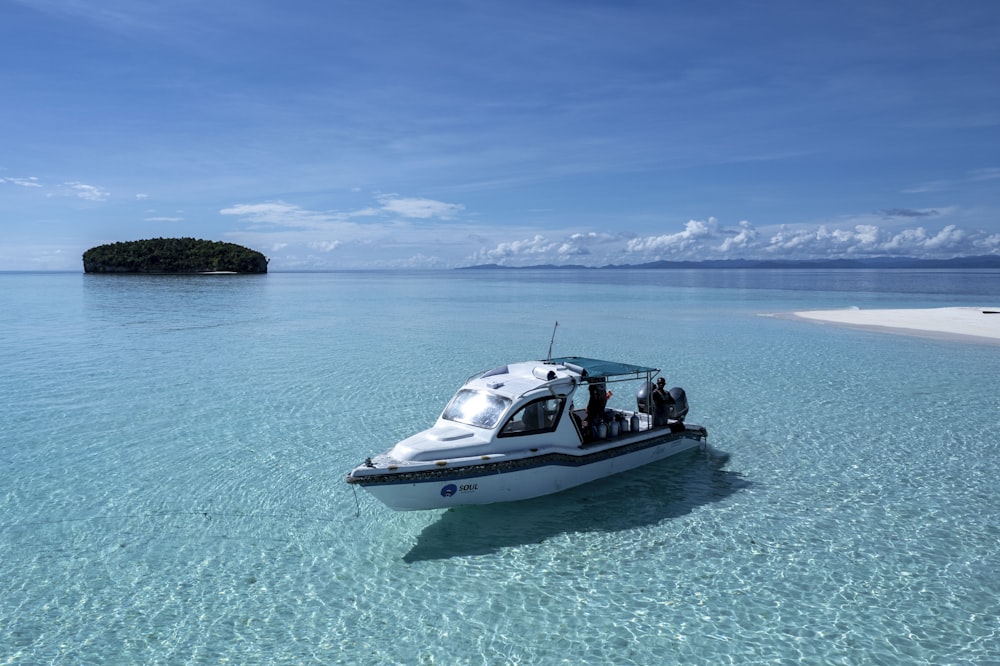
x,y
524,479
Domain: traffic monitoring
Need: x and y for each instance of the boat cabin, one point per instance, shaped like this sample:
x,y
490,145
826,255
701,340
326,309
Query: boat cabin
x,y
507,408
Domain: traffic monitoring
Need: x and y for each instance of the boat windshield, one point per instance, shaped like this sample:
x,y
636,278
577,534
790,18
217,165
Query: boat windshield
x,y
476,408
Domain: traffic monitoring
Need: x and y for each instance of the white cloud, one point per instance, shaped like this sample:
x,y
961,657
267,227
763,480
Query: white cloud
x,y
378,235
22,182
948,238
265,211
282,214
67,189
376,232
986,244
88,192
418,261
419,208
540,249
163,219
325,246
534,246
141,196
745,237
694,232
869,240
585,244
707,239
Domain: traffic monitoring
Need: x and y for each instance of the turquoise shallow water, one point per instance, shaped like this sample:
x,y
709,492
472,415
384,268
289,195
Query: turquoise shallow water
x,y
173,451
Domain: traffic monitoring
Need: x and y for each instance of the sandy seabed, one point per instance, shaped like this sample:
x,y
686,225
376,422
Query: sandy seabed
x,y
981,323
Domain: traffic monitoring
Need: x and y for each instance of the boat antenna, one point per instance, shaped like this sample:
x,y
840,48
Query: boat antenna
x,y
548,359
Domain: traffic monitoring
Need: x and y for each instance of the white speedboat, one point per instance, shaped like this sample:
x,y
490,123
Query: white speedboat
x,y
513,433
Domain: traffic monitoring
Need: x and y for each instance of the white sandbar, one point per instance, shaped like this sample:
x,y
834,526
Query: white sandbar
x,y
964,322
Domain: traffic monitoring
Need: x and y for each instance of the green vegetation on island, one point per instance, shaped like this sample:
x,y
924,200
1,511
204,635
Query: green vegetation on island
x,y
173,255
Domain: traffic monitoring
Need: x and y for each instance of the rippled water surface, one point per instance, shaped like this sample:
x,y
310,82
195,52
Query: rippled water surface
x,y
173,452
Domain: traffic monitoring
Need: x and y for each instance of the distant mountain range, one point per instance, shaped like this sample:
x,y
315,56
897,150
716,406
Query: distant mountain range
x,y
985,261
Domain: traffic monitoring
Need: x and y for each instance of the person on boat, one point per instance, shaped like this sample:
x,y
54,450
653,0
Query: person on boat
x,y
595,407
661,402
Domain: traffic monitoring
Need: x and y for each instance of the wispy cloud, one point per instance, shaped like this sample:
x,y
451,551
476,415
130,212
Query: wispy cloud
x,y
325,246
284,214
930,187
992,173
22,182
162,20
974,176
87,192
419,208
393,225
67,189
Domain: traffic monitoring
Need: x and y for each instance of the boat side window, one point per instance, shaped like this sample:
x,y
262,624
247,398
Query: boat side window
x,y
476,408
535,417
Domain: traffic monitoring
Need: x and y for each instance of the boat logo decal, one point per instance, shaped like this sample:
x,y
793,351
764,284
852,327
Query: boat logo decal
x,y
451,489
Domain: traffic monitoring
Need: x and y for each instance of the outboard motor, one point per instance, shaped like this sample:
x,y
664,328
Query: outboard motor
x,y
644,401
644,398
679,409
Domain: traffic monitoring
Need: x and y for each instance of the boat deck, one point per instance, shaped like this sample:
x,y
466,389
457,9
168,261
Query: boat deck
x,y
624,418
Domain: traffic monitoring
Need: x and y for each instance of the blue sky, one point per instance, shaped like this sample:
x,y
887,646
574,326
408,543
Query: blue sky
x,y
371,134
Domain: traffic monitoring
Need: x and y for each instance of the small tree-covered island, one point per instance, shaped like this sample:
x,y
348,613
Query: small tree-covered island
x,y
173,255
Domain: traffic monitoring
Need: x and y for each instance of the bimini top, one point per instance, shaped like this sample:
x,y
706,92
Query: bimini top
x,y
592,367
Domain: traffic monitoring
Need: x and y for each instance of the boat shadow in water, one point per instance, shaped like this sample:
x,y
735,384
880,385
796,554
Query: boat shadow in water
x,y
646,496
